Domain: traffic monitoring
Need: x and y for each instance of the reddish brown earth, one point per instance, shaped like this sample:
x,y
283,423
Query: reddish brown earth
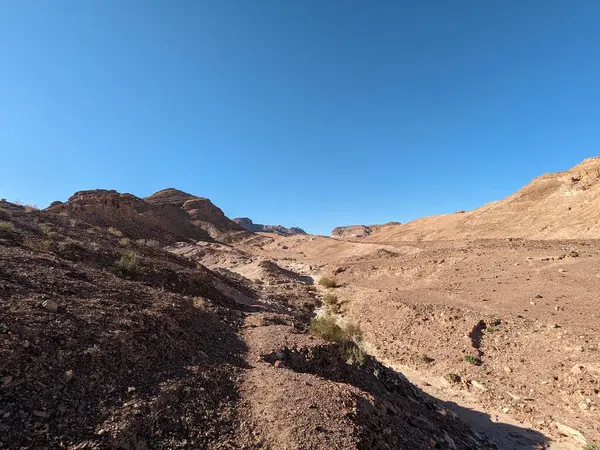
x,y
167,353
527,309
206,344
560,205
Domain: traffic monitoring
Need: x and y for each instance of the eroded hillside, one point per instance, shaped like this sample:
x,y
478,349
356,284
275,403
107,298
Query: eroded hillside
x,y
561,205
109,340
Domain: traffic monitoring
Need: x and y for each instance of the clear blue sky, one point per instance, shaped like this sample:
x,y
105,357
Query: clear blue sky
x,y
310,113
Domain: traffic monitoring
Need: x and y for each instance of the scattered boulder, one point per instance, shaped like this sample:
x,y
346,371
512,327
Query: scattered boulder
x,y
50,305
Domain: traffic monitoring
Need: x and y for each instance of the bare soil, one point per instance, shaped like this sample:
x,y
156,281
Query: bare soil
x,y
161,351
527,310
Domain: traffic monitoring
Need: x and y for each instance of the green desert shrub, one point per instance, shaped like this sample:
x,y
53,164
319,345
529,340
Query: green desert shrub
x,y
115,232
327,328
71,245
349,338
332,302
328,282
148,242
40,245
48,230
129,263
6,226
473,360
452,378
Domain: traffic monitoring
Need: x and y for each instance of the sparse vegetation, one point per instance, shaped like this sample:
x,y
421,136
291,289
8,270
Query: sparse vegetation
x,y
452,378
6,226
491,329
48,230
348,338
199,302
332,302
40,245
149,242
31,208
473,360
330,299
115,232
5,214
129,263
327,328
71,245
592,447
328,282
124,242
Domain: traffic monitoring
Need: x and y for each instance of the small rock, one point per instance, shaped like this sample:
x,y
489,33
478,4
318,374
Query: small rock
x,y
130,390
68,375
7,380
41,414
507,369
277,363
576,369
516,398
50,305
505,410
71,344
572,432
478,385
562,270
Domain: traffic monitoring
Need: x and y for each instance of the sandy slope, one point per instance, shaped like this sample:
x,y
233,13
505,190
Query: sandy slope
x,y
561,205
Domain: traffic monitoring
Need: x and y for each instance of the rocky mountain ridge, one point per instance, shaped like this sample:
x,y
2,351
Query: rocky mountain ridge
x,y
562,205
247,224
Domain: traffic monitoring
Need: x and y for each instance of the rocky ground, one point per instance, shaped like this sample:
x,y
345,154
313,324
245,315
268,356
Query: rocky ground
x,y
508,326
133,323
109,339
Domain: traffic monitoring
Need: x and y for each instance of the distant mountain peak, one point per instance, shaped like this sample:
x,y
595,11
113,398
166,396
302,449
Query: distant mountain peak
x,y
247,223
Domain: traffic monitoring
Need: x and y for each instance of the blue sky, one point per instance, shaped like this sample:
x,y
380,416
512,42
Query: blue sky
x,y
310,113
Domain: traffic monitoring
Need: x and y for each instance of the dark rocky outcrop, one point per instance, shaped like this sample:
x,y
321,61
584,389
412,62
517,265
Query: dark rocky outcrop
x,y
277,229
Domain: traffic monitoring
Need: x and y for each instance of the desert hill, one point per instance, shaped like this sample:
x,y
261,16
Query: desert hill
x,y
258,228
561,205
201,212
167,216
158,322
110,340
